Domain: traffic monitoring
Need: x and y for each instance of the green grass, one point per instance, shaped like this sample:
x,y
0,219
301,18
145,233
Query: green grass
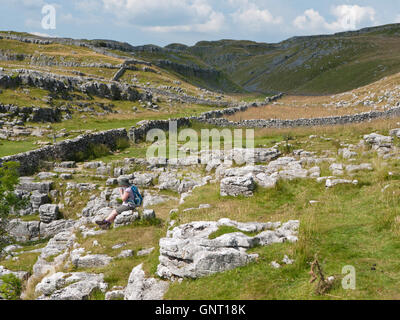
x,y
349,225
352,226
68,52
25,262
9,147
32,217
225,230
24,97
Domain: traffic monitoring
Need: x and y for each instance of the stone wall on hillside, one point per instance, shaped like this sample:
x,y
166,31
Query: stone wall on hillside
x,y
138,133
323,121
30,161
185,98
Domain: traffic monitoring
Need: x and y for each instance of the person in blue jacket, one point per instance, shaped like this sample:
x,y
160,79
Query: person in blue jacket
x,y
131,199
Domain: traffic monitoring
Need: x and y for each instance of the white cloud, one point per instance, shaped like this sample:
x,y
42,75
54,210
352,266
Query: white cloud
x,y
214,24
348,17
163,15
40,34
29,4
397,19
310,19
88,5
251,17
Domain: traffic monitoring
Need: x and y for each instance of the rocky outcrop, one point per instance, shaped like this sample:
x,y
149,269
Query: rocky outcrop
x,y
126,218
236,186
334,182
141,288
23,231
90,260
49,213
113,91
22,275
70,286
187,251
379,143
32,114
55,253
26,39
63,84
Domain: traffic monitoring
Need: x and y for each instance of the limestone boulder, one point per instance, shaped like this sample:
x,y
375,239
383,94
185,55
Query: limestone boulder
x,y
126,218
237,186
70,286
49,213
141,288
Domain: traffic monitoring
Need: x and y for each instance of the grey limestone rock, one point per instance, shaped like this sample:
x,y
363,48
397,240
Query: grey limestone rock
x,y
187,251
49,213
70,286
141,288
235,186
126,218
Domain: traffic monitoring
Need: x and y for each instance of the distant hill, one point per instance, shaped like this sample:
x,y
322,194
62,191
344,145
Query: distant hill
x,y
301,65
309,65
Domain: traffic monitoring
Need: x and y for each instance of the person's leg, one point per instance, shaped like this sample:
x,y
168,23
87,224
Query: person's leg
x,y
112,216
106,223
116,212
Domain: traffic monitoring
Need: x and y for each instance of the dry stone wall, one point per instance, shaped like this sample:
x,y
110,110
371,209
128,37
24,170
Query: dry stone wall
x,y
30,161
324,121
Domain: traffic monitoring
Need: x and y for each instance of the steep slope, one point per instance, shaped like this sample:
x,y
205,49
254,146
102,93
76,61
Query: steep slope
x,y
302,65
77,85
311,65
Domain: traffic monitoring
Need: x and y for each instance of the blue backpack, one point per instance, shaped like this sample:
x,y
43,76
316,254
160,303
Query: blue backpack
x,y
138,199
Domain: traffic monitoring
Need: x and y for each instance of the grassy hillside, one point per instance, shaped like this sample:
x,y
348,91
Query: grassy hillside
x,y
357,225
347,225
314,65
301,65
70,58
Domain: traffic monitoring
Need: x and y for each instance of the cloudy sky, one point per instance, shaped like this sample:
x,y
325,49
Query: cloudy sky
x,y
187,21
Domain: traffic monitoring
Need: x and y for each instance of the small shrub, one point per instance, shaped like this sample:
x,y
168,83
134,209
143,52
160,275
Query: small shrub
x,y
97,294
122,143
287,147
93,151
336,145
20,57
11,288
98,150
100,44
148,223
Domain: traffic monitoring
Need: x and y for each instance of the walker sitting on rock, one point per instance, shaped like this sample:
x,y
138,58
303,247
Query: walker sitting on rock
x,y
131,199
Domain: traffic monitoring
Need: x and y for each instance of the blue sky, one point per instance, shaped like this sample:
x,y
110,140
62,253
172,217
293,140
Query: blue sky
x,y
162,22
